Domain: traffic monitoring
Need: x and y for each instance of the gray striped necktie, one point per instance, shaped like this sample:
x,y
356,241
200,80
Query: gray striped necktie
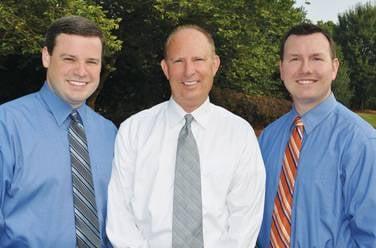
x,y
187,205
85,211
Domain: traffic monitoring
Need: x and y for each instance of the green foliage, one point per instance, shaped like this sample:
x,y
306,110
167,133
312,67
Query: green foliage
x,y
257,110
247,35
341,85
356,35
370,117
22,29
16,35
246,32
138,82
22,26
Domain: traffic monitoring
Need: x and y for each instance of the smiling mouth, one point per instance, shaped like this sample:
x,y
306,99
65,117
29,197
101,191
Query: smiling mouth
x,y
77,83
190,82
306,81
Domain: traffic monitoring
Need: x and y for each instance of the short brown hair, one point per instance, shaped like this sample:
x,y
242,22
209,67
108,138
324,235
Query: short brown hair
x,y
74,25
306,29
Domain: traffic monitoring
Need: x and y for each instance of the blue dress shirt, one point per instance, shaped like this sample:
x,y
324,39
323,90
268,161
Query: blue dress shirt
x,y
36,200
334,200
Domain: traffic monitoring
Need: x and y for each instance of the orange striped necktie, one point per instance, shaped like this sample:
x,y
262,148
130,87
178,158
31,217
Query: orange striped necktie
x,y
280,233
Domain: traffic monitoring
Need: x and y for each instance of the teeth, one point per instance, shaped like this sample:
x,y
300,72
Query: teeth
x,y
190,82
306,81
77,83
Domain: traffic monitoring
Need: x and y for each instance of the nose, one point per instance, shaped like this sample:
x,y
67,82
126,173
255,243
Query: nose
x,y
189,69
306,67
80,70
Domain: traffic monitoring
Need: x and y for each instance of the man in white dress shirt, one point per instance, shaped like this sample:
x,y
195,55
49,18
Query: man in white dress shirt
x,y
141,189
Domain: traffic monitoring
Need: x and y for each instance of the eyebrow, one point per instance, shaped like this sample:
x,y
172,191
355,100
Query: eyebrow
x,y
66,54
318,54
174,58
298,54
74,56
94,59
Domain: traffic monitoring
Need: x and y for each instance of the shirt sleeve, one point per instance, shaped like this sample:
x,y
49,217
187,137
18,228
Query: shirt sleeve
x,y
359,191
2,168
245,199
121,226
6,161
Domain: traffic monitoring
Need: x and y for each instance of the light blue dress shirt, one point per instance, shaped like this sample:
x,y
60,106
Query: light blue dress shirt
x,y
35,170
334,200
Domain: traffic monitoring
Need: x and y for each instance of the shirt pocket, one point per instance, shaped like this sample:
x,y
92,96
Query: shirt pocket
x,y
216,178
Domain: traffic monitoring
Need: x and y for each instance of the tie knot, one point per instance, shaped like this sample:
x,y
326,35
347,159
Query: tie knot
x,y
188,119
75,116
298,122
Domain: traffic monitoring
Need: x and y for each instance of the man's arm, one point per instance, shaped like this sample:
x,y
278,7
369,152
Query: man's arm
x,y
7,160
2,176
360,192
245,199
121,227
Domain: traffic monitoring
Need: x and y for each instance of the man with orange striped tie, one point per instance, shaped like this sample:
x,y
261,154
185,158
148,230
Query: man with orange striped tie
x,y
320,157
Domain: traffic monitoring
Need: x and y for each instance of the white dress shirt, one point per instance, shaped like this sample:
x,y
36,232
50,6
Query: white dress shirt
x,y
140,204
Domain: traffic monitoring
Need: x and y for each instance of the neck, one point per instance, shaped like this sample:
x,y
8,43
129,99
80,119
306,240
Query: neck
x,y
303,107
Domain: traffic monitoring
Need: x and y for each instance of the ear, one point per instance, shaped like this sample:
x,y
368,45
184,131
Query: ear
x,y
45,57
165,68
335,66
281,70
216,63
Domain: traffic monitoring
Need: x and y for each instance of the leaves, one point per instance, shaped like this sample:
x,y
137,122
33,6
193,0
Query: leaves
x,y
22,26
356,35
246,33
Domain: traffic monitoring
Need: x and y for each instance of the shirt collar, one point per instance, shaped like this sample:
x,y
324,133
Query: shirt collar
x,y
58,107
315,116
175,113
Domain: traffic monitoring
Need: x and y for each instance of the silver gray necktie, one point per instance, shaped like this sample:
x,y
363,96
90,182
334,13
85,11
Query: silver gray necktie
x,y
187,205
85,211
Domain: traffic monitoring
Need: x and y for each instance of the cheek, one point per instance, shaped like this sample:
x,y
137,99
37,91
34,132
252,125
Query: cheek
x,y
94,73
62,70
57,73
174,85
328,74
286,72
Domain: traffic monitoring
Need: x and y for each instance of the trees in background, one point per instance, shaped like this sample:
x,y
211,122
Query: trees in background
x,y
356,34
247,35
246,32
23,25
22,29
341,85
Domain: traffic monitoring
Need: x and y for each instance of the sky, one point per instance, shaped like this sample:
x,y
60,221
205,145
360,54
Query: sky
x,y
327,10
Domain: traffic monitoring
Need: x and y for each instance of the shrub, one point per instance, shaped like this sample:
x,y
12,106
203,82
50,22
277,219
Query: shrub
x,y
257,110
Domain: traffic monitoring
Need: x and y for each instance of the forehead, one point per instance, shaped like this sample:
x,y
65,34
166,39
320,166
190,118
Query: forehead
x,y
188,41
311,43
78,43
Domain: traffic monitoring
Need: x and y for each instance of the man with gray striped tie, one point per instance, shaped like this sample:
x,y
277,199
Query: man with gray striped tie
x,y
55,152
186,173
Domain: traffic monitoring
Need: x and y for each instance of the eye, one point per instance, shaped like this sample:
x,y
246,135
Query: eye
x,y
198,59
93,62
176,61
293,59
68,59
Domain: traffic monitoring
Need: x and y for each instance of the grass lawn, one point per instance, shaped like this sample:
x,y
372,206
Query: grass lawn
x,y
369,116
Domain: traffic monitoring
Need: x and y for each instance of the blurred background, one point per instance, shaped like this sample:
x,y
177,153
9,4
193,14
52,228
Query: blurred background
x,y
247,35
